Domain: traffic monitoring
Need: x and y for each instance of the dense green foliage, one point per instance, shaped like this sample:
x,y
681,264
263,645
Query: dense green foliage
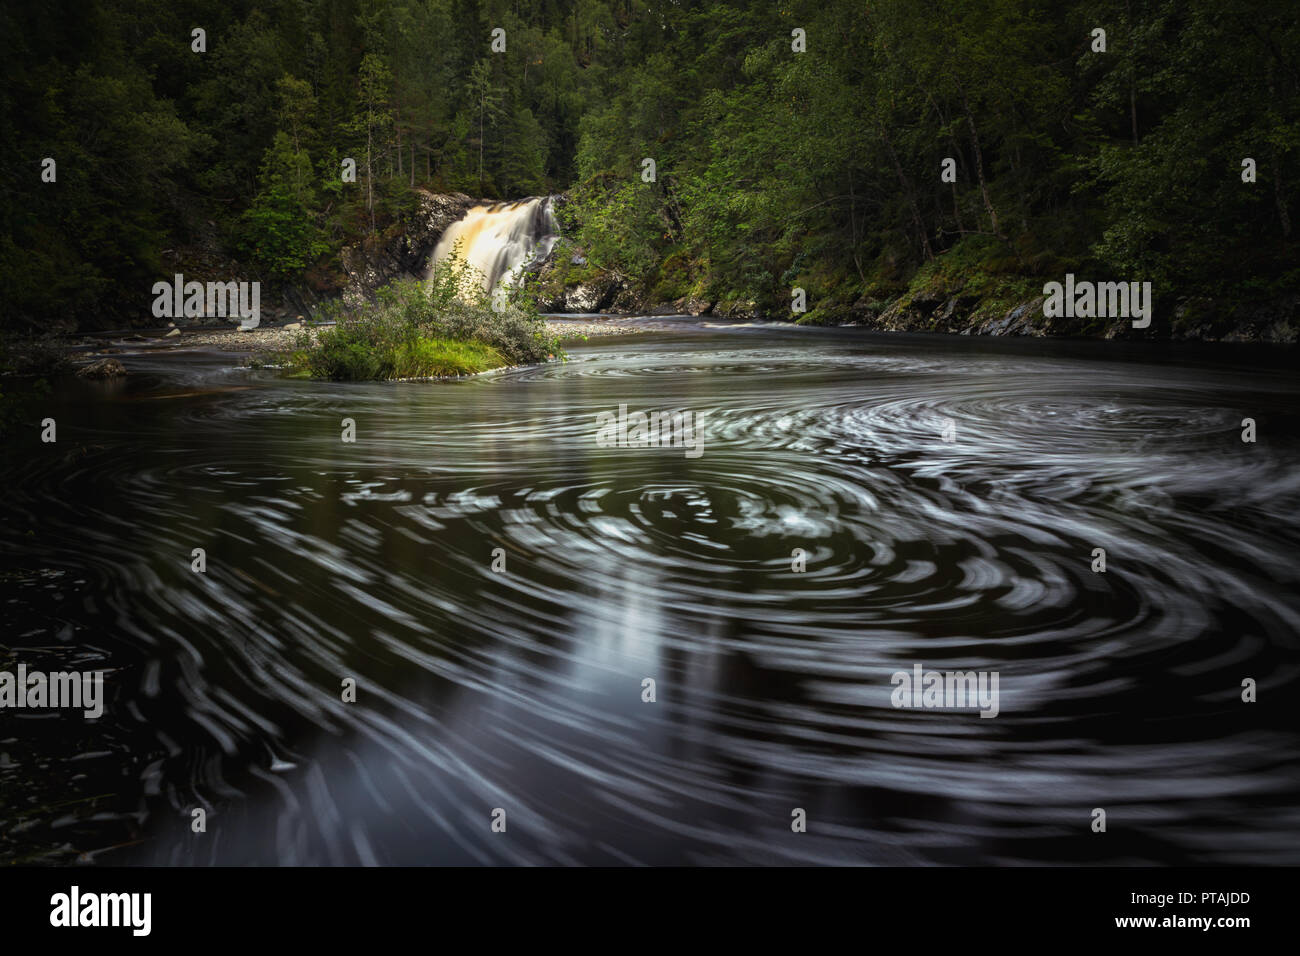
x,y
822,169
445,326
774,168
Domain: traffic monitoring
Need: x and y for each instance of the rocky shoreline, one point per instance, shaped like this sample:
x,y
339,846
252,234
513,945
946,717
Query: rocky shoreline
x,y
949,303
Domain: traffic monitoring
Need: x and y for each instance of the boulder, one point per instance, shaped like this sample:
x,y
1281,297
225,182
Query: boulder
x,y
104,368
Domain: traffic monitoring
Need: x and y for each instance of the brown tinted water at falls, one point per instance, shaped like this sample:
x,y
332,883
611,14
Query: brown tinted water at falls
x,y
522,689
501,241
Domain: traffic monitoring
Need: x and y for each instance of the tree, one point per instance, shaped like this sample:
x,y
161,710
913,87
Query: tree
x,y
486,97
373,119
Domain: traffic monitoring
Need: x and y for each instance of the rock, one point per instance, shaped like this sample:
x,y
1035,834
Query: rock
x,y
1024,318
866,310
694,305
1275,320
293,326
620,300
585,297
404,249
173,333
743,309
565,282
104,368
625,301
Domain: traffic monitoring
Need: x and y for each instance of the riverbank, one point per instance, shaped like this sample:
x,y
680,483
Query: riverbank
x,y
976,288
286,338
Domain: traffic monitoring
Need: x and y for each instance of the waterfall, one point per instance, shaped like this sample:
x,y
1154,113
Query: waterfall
x,y
503,240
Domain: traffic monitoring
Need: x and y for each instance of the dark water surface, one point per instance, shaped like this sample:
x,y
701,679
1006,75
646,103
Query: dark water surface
x,y
522,690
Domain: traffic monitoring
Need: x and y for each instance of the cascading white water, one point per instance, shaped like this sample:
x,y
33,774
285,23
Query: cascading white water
x,y
501,241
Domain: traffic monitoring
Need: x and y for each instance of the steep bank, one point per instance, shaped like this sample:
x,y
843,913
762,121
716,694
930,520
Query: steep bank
x,y
499,240
362,265
957,293
405,248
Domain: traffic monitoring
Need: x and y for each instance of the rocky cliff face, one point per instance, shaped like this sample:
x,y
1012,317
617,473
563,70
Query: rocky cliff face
x,y
404,249
567,282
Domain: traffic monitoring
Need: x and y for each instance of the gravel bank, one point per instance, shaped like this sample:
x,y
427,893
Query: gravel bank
x,y
283,339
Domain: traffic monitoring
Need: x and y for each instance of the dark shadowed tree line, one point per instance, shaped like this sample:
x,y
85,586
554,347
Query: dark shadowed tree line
x,y
773,168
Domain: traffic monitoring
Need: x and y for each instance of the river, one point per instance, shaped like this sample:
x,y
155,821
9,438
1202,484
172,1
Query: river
x,y
947,495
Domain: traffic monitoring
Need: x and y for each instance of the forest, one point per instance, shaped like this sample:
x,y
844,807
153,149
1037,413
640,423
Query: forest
x,y
845,148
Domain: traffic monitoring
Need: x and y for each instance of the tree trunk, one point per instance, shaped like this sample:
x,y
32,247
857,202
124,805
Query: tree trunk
x,y
1133,110
956,148
1014,159
907,191
1132,70
979,162
370,180
853,227
1279,199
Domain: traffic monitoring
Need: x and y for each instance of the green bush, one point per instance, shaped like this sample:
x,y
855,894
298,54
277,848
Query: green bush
x,y
446,325
278,234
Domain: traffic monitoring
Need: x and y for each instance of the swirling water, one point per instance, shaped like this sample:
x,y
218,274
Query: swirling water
x,y
522,689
